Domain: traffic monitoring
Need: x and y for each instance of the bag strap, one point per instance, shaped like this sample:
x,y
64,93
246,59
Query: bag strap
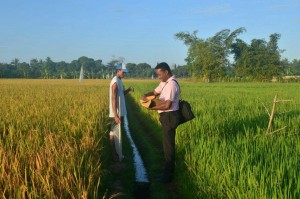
x,y
179,88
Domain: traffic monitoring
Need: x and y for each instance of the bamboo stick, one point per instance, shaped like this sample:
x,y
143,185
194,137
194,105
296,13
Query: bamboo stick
x,y
272,115
287,101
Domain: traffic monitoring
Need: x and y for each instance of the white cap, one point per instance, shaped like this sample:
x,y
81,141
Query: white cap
x,y
122,67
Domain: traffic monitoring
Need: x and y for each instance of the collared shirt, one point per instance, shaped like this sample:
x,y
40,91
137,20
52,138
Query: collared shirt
x,y
169,90
120,97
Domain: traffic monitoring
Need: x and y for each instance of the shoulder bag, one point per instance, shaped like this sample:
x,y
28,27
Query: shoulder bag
x,y
185,109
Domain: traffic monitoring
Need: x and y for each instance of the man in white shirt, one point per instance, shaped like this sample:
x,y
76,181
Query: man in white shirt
x,y
116,92
169,92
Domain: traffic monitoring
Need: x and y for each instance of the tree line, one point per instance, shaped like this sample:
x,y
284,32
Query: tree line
x,y
93,69
209,59
220,57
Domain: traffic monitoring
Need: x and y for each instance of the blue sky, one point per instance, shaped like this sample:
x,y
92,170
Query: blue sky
x,y
139,31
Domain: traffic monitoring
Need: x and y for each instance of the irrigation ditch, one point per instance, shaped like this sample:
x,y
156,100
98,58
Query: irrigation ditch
x,y
135,176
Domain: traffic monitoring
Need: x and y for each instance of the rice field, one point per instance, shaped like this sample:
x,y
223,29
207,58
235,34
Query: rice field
x,y
51,138
224,152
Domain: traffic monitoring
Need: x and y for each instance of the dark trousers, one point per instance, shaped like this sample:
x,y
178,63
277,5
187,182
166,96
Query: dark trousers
x,y
169,122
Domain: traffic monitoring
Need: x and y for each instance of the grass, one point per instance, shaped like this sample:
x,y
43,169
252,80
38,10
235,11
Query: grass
x,y
224,152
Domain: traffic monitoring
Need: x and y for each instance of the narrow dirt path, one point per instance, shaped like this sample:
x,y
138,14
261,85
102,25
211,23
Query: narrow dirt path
x,y
150,148
145,134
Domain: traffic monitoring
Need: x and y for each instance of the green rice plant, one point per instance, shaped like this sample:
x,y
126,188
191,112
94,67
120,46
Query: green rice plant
x,y
224,152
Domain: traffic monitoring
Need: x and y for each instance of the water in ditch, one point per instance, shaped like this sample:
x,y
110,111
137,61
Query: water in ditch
x,y
140,171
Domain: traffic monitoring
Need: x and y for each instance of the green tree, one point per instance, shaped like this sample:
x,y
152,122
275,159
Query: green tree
x,y
260,60
23,70
208,58
99,68
291,68
35,68
143,70
15,62
48,68
61,68
132,67
181,71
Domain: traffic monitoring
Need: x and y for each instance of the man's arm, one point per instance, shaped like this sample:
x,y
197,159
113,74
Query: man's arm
x,y
128,90
163,106
114,102
169,97
152,93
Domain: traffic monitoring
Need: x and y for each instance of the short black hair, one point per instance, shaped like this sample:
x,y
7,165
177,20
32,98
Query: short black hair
x,y
163,66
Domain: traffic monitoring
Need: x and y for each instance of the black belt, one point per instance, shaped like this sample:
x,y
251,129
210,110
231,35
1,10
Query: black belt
x,y
168,112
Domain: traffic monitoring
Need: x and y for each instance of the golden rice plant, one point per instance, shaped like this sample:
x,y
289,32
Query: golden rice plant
x,y
51,138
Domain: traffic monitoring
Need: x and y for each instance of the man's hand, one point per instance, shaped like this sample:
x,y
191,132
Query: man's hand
x,y
117,119
153,93
144,97
130,89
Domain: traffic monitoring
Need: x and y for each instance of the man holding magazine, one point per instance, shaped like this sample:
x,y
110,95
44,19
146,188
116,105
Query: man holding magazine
x,y
168,110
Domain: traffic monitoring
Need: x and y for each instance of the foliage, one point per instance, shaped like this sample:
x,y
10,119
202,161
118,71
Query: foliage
x,y
259,60
139,70
181,71
208,58
291,68
93,69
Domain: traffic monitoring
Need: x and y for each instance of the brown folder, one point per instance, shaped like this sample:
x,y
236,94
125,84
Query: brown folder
x,y
150,102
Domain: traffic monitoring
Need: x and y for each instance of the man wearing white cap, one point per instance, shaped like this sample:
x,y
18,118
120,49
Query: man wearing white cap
x,y
116,92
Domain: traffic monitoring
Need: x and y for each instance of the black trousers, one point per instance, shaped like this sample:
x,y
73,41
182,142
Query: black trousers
x,y
169,122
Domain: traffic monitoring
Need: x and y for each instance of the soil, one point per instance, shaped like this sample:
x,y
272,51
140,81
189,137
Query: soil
x,y
117,189
170,188
141,190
